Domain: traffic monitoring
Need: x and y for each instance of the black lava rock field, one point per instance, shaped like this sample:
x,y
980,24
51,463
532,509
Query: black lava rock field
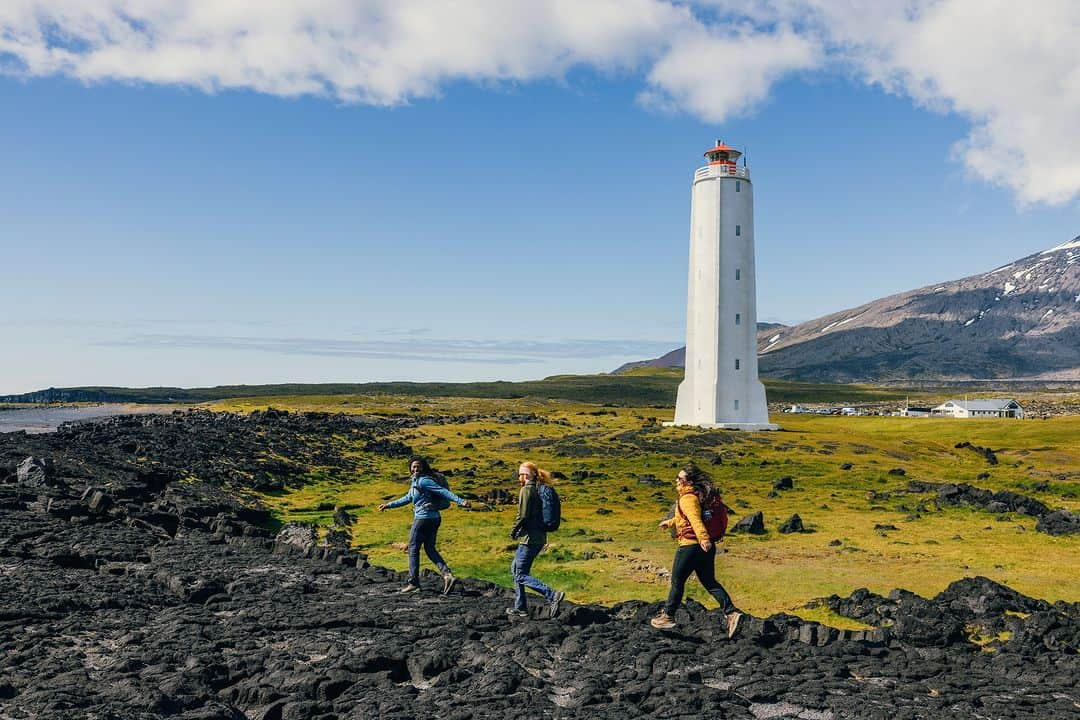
x,y
130,590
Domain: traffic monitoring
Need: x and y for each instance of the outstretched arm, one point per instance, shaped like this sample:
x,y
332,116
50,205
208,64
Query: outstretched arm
x,y
430,486
403,500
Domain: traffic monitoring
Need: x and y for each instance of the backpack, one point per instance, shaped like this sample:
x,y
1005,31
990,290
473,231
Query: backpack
x,y
713,515
550,508
438,502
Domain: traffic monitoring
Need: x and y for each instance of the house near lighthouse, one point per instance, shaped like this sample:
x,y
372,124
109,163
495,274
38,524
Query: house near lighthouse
x,y
721,388
996,408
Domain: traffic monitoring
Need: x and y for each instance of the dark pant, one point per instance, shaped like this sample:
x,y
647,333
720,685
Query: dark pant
x,y
423,532
520,568
692,559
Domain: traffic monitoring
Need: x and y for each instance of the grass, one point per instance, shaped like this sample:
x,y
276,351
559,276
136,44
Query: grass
x,y
638,388
618,556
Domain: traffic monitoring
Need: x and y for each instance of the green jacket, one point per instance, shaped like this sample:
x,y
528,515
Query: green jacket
x,y
530,517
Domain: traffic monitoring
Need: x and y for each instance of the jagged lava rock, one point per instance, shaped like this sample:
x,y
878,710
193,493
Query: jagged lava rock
x,y
172,603
753,523
793,524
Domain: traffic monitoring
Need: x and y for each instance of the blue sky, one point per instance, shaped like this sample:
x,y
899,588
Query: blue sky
x,y
459,224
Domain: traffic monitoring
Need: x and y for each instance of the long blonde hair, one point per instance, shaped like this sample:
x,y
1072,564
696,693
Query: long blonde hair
x,y
543,477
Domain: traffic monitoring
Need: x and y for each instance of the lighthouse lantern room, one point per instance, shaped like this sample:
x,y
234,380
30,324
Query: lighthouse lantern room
x,y
723,156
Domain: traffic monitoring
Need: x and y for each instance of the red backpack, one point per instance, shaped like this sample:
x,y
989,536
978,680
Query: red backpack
x,y
713,514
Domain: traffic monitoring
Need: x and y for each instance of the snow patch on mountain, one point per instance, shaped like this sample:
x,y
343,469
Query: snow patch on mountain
x,y
843,322
1074,243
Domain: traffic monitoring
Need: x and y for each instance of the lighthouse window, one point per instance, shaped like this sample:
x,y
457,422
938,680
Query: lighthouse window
x,y
738,319
738,230
738,273
738,186
736,363
736,404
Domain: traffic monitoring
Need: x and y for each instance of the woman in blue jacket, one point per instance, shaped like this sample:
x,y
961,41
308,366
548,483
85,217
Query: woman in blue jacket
x,y
424,494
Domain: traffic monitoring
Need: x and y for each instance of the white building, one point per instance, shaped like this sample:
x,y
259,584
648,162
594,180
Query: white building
x,y
721,386
979,409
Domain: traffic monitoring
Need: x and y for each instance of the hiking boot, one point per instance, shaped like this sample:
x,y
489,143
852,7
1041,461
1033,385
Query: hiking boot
x,y
554,604
733,619
662,621
514,612
448,581
409,587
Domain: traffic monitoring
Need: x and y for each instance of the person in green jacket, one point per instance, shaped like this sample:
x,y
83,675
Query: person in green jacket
x,y
531,536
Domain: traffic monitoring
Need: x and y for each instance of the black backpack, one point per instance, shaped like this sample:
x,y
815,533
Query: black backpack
x,y
550,508
438,502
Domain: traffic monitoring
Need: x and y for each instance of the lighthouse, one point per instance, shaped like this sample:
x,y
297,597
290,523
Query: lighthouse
x,y
721,387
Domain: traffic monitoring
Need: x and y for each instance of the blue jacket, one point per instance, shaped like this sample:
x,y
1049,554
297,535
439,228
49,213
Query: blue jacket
x,y
420,491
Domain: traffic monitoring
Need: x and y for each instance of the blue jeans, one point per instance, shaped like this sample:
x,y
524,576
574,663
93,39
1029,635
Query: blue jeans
x,y
423,532
519,570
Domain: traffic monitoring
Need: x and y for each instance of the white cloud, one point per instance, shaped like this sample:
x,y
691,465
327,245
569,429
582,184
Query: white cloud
x,y
1012,70
382,52
717,76
1015,72
386,52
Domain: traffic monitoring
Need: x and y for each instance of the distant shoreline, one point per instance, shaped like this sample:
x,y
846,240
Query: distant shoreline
x,y
39,418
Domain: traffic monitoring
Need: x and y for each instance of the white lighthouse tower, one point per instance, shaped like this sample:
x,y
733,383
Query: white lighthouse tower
x,y
721,386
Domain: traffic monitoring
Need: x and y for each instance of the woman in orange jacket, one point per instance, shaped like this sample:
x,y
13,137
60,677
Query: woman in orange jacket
x,y
696,552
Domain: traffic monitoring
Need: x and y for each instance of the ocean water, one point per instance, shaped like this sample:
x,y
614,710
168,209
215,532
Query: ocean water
x,y
47,419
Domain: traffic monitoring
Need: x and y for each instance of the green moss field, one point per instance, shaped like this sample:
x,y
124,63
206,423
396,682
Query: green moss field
x,y
619,465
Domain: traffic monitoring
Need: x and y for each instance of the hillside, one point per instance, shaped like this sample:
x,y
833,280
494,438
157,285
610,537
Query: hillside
x,y
1021,320
641,388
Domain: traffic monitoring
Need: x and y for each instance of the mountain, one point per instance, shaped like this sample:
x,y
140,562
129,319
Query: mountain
x,y
677,357
1021,320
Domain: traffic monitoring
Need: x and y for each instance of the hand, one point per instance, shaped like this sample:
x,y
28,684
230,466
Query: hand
x,y
664,524
706,545
464,503
382,507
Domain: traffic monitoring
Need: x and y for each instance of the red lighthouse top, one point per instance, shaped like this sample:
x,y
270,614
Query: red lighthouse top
x,y
723,155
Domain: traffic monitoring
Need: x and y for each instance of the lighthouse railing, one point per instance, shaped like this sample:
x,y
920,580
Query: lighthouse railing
x,y
721,170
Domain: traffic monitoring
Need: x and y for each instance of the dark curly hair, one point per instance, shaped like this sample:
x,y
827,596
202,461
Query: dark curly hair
x,y
700,479
425,466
